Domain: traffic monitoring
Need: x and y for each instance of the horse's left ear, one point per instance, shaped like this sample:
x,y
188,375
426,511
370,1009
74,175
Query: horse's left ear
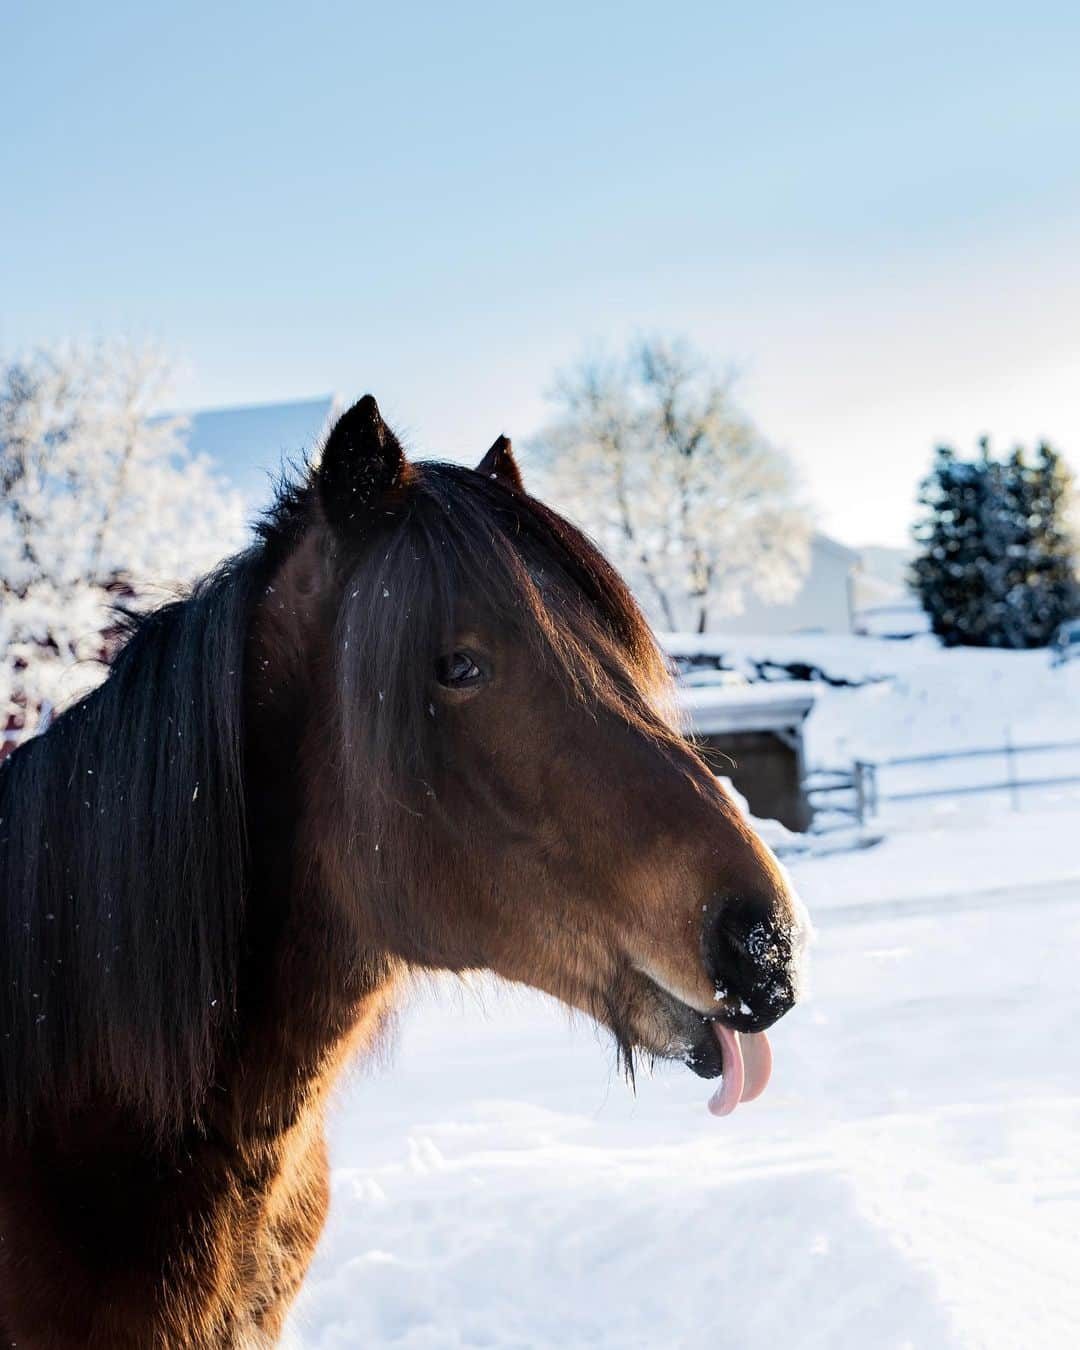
x,y
362,463
499,462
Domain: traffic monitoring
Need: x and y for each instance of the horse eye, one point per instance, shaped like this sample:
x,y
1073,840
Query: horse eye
x,y
458,670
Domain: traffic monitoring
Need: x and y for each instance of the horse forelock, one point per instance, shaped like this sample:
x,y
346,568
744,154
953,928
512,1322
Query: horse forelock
x,y
465,544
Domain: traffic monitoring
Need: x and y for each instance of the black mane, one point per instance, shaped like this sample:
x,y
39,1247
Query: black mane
x,y
122,860
123,852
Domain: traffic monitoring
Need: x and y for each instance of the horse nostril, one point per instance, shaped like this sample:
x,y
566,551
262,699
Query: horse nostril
x,y
751,960
733,966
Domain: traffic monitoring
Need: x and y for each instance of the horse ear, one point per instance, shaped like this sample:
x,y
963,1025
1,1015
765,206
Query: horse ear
x,y
362,462
499,462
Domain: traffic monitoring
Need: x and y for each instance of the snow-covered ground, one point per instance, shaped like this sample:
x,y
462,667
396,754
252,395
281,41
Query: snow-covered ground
x,y
911,1178
922,698
917,698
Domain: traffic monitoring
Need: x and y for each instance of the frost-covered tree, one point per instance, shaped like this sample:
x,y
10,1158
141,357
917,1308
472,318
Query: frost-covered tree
x,y
653,457
100,501
997,561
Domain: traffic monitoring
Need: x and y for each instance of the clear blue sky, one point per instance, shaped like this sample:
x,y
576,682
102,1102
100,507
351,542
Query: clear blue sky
x,y
872,211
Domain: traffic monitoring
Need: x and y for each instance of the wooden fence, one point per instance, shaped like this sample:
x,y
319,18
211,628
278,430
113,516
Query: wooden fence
x,y
854,794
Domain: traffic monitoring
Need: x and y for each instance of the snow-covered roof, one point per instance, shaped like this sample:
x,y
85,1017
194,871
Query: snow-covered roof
x,y
251,445
694,644
752,707
825,543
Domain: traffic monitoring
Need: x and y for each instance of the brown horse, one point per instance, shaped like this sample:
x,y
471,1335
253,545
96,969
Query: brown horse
x,y
420,724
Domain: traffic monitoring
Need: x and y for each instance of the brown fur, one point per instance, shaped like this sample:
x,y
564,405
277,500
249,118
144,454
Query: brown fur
x,y
549,826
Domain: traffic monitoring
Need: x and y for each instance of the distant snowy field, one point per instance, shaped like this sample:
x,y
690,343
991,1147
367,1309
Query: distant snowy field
x,y
911,1178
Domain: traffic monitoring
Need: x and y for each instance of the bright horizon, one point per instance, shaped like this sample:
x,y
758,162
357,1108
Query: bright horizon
x,y
871,216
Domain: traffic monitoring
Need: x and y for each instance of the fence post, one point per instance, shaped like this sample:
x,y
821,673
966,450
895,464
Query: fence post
x,y
1010,761
860,792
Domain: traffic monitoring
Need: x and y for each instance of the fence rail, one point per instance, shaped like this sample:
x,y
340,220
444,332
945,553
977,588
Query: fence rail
x,y
1047,747
840,797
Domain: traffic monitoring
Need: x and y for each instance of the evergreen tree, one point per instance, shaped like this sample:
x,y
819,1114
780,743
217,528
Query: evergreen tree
x,y
997,566
1052,592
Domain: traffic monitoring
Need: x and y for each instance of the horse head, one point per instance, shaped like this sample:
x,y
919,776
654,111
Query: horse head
x,y
499,782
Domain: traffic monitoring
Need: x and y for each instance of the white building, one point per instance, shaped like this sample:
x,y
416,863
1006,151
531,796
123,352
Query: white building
x,y
845,590
885,605
824,602
250,446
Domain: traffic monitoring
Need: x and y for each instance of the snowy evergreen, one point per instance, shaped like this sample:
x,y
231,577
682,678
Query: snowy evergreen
x,y
100,502
654,459
997,566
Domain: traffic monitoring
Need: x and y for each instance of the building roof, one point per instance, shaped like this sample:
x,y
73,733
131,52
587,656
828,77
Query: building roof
x,y
780,706
250,446
826,544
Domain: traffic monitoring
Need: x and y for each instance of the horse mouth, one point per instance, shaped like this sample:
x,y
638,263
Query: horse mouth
x,y
713,1048
743,1059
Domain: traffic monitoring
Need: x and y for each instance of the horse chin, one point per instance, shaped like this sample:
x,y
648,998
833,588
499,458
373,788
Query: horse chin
x,y
667,1028
706,1058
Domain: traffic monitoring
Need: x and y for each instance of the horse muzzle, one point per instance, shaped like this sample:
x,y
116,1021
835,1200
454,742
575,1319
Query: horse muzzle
x,y
753,955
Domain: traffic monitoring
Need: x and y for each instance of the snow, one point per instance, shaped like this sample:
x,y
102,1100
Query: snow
x,y
911,1177
758,696
898,699
914,696
102,503
1005,853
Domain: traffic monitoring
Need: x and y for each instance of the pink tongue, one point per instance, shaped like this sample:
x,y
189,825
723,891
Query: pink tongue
x,y
747,1066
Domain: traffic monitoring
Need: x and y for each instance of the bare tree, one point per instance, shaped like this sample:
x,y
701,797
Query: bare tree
x,y
653,457
98,498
